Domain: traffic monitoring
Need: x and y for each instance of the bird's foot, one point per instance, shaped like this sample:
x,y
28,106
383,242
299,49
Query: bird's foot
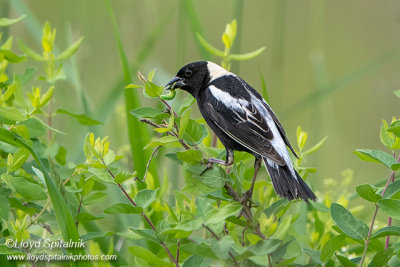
x,y
209,166
210,162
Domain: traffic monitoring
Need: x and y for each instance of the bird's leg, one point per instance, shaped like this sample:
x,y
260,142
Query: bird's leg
x,y
249,193
227,162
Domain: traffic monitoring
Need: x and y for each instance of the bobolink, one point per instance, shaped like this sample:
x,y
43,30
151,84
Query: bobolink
x,y
243,121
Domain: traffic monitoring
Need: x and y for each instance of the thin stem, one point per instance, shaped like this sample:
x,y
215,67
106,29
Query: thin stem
x,y
49,120
144,216
168,106
177,250
147,166
79,210
32,261
391,178
217,237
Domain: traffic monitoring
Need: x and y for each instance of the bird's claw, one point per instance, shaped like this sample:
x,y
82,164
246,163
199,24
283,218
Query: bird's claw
x,y
209,166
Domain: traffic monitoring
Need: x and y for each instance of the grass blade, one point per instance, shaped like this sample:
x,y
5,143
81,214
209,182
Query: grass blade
x,y
63,214
195,27
137,132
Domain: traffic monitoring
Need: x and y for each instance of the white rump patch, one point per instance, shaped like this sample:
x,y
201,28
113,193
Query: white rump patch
x,y
216,71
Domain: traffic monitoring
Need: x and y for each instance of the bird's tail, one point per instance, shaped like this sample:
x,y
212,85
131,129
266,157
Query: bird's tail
x,y
286,184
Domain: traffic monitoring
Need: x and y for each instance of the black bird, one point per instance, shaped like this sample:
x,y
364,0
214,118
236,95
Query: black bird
x,y
243,121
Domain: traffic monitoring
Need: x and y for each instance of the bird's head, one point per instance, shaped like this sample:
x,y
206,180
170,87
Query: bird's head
x,y
193,77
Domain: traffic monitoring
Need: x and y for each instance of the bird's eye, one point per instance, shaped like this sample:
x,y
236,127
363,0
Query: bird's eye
x,y
188,72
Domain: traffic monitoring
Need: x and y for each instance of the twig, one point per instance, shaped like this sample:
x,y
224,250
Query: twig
x,y
244,230
32,261
391,177
177,250
217,237
168,106
147,166
79,210
246,211
144,216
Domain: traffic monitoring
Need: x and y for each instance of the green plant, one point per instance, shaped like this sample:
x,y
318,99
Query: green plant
x,y
129,212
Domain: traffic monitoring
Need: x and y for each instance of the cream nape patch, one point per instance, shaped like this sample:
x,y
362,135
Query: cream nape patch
x,y
217,71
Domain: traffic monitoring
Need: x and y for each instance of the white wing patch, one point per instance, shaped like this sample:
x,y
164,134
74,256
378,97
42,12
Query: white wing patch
x,y
217,71
226,99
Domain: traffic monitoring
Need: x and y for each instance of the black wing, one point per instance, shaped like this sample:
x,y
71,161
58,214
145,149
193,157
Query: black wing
x,y
243,122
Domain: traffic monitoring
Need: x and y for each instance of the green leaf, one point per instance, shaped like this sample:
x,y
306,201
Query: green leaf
x,y
315,255
197,261
70,50
190,156
28,190
35,128
9,92
351,226
264,247
7,22
368,192
392,189
29,52
209,47
222,247
123,176
202,249
82,118
195,186
4,208
152,89
316,147
376,156
96,197
276,207
162,141
387,138
87,217
12,57
11,114
283,227
186,103
388,230
331,246
145,233
46,97
381,258
123,208
145,197
395,128
247,56
194,133
148,112
148,256
390,207
345,261
220,214
397,93
184,122
214,177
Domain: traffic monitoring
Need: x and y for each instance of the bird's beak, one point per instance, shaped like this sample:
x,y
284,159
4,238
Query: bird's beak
x,y
176,82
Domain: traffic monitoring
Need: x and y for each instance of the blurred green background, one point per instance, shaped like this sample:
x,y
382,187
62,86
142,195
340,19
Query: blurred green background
x,y
329,66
